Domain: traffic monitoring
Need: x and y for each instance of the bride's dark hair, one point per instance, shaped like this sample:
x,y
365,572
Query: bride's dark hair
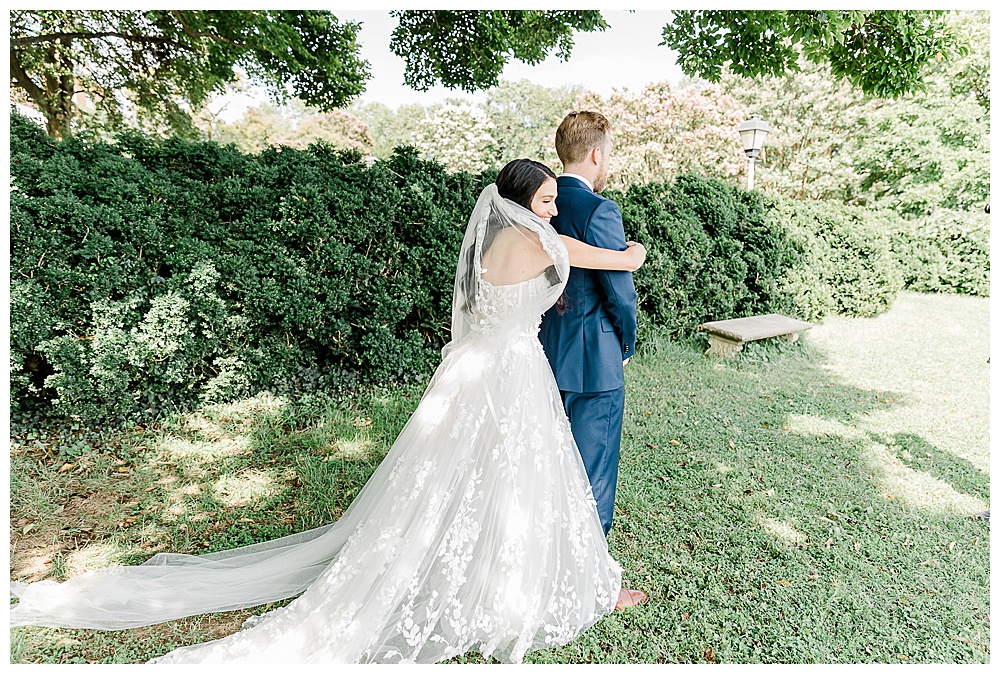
x,y
520,179
517,181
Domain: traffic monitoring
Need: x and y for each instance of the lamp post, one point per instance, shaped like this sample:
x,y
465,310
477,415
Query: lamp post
x,y
753,132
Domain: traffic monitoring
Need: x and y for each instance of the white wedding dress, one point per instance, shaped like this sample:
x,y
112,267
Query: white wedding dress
x,y
477,532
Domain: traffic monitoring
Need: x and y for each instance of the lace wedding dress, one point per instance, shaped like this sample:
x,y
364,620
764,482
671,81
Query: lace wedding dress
x,y
477,532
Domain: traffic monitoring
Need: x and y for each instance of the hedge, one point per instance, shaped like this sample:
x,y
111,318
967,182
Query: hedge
x,y
946,252
712,253
145,275
148,276
848,266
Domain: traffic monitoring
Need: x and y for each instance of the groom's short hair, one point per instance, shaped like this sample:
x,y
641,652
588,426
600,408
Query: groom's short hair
x,y
579,133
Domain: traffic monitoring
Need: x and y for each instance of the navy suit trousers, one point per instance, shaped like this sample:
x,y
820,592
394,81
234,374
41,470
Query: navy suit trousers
x,y
596,421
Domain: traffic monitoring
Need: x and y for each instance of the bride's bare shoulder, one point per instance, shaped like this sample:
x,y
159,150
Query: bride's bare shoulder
x,y
518,236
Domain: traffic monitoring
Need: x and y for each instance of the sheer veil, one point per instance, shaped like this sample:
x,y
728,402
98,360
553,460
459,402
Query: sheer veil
x,y
504,244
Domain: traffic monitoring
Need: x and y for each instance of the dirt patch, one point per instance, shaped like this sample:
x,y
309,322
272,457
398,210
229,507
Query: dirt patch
x,y
194,630
216,626
35,544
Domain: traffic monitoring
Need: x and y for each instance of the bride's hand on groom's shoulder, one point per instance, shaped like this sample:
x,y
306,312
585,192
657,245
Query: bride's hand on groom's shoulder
x,y
637,254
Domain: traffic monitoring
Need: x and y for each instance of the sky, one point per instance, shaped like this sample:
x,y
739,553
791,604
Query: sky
x,y
623,56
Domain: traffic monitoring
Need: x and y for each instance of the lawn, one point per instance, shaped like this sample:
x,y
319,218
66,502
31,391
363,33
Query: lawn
x,y
806,502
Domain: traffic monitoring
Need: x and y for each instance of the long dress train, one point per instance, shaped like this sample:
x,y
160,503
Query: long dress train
x,y
477,532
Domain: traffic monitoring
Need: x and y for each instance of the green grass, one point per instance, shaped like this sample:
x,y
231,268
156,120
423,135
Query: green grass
x,y
806,502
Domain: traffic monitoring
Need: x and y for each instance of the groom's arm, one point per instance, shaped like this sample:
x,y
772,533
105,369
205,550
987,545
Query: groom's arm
x,y
620,300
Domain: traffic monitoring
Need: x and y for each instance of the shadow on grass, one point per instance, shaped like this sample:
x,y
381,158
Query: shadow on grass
x,y
920,455
767,524
762,518
223,477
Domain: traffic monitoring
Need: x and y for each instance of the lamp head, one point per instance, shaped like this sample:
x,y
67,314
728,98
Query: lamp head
x,y
752,133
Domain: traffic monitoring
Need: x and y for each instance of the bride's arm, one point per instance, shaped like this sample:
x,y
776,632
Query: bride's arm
x,y
591,257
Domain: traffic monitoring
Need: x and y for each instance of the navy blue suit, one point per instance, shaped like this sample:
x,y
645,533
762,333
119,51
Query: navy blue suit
x,y
588,341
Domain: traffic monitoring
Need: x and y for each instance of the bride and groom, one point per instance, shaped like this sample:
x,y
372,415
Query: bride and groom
x,y
484,528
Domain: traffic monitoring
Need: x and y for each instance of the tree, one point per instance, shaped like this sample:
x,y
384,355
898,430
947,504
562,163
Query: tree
x,y
468,49
260,127
294,125
815,121
660,134
970,74
882,52
390,128
458,135
925,152
339,128
166,62
162,65
525,117
921,152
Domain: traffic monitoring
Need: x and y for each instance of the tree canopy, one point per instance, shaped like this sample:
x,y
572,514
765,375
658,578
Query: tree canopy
x,y
923,151
882,52
158,67
468,49
293,125
162,60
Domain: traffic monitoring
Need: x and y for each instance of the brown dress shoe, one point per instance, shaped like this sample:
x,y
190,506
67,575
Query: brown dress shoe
x,y
630,598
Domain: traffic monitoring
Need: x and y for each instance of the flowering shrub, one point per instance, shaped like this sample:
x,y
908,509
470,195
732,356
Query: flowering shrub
x,y
457,136
660,134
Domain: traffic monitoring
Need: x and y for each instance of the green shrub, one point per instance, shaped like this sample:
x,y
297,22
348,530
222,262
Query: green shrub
x,y
146,275
150,275
712,254
945,252
847,266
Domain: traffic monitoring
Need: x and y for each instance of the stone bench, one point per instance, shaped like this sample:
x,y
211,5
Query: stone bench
x,y
726,338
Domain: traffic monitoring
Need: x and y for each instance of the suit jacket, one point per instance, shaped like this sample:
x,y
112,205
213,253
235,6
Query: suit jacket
x,y
587,343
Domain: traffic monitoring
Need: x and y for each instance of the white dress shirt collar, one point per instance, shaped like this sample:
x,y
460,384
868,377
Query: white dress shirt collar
x,y
580,178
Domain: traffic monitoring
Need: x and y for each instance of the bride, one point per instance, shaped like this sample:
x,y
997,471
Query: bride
x,y
477,532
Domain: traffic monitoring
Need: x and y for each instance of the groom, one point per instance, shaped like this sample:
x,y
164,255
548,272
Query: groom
x,y
590,334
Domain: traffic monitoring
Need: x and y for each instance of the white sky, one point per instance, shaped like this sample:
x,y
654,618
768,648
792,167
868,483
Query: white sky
x,y
623,56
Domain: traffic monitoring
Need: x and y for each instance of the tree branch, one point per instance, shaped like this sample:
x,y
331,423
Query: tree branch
x,y
24,80
52,37
190,32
